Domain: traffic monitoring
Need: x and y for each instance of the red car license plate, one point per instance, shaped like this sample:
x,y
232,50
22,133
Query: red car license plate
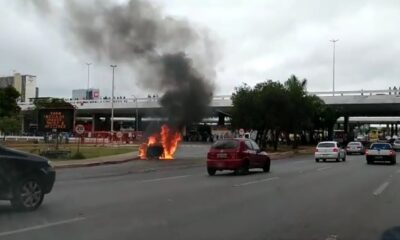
x,y
222,155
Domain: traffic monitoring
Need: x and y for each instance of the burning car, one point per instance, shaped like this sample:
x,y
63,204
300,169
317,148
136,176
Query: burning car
x,y
160,145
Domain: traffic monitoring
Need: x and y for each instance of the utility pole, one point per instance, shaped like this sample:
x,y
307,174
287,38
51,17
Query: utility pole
x,y
333,67
112,102
88,75
137,115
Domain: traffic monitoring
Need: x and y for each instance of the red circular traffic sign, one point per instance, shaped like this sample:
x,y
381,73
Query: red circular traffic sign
x,y
80,129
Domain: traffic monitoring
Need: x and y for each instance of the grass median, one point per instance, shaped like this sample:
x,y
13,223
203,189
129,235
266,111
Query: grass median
x,y
71,150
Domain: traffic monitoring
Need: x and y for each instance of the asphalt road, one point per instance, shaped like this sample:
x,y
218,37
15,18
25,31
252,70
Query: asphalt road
x,y
298,199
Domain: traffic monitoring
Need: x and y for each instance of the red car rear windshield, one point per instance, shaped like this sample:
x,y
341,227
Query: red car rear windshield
x,y
226,144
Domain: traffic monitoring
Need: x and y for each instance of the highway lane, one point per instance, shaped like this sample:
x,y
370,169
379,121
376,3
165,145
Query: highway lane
x,y
299,199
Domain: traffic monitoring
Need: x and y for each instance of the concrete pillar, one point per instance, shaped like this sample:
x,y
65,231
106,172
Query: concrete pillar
x,y
346,124
391,130
387,127
107,123
139,123
221,119
93,123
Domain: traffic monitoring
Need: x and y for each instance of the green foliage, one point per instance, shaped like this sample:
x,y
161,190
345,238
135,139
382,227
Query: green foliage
x,y
8,102
10,125
78,155
9,111
51,103
280,108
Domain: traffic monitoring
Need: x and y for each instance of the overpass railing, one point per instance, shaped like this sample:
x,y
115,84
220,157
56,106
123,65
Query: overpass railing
x,y
222,98
122,100
357,93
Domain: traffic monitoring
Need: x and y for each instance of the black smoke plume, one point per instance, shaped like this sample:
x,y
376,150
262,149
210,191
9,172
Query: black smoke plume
x,y
167,54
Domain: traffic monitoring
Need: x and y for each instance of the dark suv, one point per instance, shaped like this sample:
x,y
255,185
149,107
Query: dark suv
x,y
24,178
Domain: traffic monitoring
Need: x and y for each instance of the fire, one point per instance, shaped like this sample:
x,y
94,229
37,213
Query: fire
x,y
168,139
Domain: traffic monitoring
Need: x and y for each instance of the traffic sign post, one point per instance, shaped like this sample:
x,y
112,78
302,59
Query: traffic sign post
x,y
79,129
119,135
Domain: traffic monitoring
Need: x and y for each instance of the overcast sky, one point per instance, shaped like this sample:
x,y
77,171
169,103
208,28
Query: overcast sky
x,y
257,40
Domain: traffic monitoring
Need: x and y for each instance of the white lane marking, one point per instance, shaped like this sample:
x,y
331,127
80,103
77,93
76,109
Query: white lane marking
x,y
323,168
381,188
257,181
37,227
165,178
332,237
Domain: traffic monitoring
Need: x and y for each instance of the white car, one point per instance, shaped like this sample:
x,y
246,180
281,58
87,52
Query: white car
x,y
380,152
329,150
355,147
396,145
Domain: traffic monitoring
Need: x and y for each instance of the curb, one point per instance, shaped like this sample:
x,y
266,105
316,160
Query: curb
x,y
93,164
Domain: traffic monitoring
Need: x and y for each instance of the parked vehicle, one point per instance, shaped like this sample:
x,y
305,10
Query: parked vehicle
x,y
24,178
380,152
355,148
238,154
396,145
329,150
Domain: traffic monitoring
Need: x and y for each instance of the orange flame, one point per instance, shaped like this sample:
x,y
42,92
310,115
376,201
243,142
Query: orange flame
x,y
169,139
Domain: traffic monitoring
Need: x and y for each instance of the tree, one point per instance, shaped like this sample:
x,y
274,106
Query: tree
x,y
9,125
273,109
9,111
298,107
261,108
8,102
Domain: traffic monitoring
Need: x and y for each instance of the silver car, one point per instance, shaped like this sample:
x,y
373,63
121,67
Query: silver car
x,y
355,147
396,145
329,150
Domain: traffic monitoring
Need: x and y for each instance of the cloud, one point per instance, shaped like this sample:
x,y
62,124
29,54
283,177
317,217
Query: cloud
x,y
258,40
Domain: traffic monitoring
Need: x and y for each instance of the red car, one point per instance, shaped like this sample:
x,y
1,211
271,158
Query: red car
x,y
238,154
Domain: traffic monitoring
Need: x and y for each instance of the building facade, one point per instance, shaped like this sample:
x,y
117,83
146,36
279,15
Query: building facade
x,y
24,84
85,94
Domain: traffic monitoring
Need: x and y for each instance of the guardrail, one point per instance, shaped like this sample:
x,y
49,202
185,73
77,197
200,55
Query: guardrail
x,y
223,97
357,93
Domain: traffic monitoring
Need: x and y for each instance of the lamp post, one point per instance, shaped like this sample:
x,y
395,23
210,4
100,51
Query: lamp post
x,y
112,102
87,89
333,67
137,114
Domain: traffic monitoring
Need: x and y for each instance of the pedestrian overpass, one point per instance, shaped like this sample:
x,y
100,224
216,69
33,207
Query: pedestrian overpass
x,y
351,103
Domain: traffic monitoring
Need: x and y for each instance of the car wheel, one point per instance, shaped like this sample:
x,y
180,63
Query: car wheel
x,y
393,162
211,171
369,162
337,159
267,166
316,160
344,158
28,195
244,169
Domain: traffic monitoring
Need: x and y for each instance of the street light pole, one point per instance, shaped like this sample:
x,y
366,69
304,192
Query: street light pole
x,y
88,74
112,102
137,115
333,67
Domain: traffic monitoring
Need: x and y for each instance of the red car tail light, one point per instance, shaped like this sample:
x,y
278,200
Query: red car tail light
x,y
335,150
316,150
392,152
